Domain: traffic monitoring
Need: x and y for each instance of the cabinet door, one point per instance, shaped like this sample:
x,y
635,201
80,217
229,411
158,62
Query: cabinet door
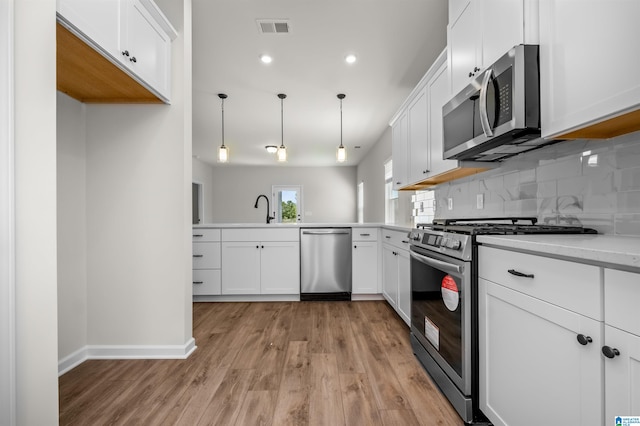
x,y
438,91
241,268
399,152
390,274
533,370
148,46
280,268
587,72
463,44
364,258
502,27
418,138
622,375
404,286
98,20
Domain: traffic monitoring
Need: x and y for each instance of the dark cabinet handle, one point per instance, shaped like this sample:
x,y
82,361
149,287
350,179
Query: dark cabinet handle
x,y
476,69
584,340
133,59
405,241
610,352
198,282
261,246
355,246
470,74
198,255
387,237
519,274
365,235
125,53
198,235
424,172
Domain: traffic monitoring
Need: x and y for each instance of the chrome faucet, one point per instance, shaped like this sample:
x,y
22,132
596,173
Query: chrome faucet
x,y
256,206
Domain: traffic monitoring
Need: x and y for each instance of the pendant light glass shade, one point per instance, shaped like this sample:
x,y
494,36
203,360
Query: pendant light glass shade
x,y
282,151
223,151
341,154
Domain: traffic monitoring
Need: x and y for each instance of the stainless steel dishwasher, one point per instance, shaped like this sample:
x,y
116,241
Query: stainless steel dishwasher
x,y
325,263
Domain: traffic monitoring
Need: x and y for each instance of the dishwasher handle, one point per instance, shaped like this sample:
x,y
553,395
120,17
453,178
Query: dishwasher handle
x,y
327,232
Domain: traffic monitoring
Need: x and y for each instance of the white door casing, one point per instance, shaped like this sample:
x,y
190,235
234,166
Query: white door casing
x,y
7,221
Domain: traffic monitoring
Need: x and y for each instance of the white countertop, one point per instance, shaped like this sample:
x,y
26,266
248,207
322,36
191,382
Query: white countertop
x,y
605,250
301,225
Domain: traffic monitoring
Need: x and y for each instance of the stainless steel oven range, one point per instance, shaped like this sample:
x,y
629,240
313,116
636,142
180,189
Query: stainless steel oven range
x,y
444,329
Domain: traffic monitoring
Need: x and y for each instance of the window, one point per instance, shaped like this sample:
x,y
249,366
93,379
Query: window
x,y
287,203
361,202
390,195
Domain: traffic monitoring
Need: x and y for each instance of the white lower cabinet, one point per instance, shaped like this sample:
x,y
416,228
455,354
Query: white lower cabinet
x,y
206,262
540,339
622,343
260,268
364,261
396,283
533,370
557,344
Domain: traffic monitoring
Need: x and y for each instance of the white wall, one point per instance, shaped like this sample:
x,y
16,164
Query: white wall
x,y
371,171
72,226
138,204
35,213
203,174
329,193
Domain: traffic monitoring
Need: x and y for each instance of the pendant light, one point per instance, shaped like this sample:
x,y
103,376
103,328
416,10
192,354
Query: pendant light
x,y
223,151
341,154
282,151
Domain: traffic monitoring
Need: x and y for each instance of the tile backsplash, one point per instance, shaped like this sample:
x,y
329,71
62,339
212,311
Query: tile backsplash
x,y
595,183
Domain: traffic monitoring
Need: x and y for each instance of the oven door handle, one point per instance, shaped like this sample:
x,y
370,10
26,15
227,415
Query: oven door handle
x,y
435,263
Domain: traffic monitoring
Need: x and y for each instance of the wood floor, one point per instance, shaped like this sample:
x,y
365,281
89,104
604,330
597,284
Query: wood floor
x,y
298,363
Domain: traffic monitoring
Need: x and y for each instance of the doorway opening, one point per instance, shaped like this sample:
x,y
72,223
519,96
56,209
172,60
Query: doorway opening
x,y
197,206
287,203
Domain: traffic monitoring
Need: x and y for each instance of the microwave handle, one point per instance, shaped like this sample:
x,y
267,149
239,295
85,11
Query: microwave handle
x,y
484,115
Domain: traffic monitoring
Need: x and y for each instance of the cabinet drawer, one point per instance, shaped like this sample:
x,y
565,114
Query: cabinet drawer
x,y
364,234
396,238
621,300
573,286
206,255
261,234
206,282
202,234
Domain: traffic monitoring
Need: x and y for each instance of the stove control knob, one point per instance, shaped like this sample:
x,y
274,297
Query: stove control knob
x,y
414,236
452,243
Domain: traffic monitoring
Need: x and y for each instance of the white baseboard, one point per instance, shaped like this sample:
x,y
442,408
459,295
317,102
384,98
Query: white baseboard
x,y
249,298
372,296
126,352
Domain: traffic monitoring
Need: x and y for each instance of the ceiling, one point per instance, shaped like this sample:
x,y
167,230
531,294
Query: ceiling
x,y
395,42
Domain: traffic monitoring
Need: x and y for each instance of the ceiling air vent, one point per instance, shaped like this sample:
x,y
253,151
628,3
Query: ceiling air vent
x,y
273,26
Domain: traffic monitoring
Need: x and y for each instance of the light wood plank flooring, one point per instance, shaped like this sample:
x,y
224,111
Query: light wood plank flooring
x,y
299,363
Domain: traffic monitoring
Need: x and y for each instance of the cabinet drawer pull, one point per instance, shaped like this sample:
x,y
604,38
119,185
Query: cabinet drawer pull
x,y
365,235
584,340
198,235
610,352
387,237
133,59
198,255
198,282
405,241
519,274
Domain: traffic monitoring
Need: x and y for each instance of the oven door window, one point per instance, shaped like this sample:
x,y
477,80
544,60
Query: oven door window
x,y
437,309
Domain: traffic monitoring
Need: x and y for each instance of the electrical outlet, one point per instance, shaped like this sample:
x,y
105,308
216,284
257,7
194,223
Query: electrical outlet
x,y
450,203
480,201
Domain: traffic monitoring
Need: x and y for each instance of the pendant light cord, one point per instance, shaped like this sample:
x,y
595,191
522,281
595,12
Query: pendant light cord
x,y
223,122
281,122
341,123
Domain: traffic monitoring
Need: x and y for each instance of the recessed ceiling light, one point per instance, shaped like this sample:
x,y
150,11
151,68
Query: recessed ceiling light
x,y
266,59
350,59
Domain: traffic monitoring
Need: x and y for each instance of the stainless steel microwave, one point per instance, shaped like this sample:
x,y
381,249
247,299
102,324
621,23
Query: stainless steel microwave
x,y
498,114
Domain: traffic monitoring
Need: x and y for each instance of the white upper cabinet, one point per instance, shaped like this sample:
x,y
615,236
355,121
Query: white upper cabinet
x,y
481,31
399,150
132,34
98,20
590,84
145,48
418,137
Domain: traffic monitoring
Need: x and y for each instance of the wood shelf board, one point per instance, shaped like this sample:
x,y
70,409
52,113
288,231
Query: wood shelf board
x,y
86,75
616,126
457,173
